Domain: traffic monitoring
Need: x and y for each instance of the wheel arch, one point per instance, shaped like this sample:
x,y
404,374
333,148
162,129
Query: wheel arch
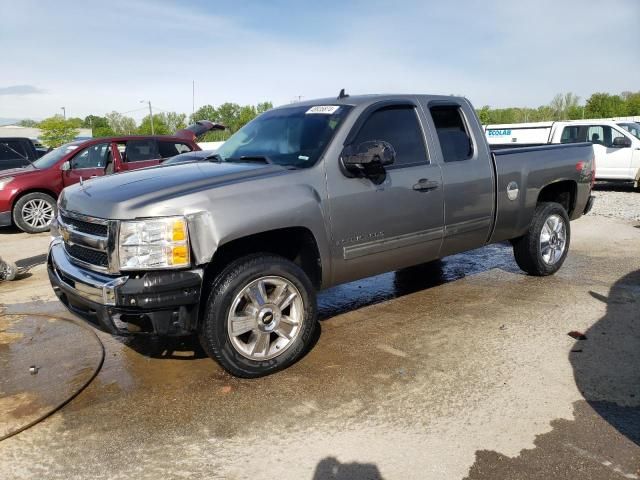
x,y
296,243
563,192
46,191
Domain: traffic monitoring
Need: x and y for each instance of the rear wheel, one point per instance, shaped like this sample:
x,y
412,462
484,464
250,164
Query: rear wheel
x,y
34,212
543,249
260,316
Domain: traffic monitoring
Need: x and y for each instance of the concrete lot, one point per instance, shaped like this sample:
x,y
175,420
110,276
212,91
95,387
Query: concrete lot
x,y
460,369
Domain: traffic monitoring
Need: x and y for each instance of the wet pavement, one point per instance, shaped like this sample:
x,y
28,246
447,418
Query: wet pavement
x,y
460,368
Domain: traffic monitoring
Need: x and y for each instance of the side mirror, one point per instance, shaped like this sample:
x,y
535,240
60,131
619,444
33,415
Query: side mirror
x,y
621,142
367,158
66,166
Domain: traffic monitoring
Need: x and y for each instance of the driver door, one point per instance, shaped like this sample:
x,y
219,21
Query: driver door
x,y
394,224
88,163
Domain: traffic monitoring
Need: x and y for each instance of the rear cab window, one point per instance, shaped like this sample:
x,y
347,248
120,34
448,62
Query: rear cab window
x,y
453,133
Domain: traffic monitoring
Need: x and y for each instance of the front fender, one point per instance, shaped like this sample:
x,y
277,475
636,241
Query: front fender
x,y
261,210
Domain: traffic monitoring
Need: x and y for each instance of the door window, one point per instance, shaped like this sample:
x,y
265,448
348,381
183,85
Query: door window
x,y
168,149
399,126
596,134
140,150
454,137
95,156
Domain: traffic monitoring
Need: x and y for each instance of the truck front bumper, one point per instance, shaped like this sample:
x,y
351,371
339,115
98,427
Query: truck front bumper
x,y
5,219
160,303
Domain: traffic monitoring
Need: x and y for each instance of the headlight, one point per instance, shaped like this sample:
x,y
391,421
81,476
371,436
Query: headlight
x,y
154,244
4,181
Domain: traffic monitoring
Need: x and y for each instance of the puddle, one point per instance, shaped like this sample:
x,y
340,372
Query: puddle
x,y
44,362
380,288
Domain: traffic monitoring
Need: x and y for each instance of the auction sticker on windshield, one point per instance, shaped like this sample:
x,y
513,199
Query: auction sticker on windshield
x,y
325,109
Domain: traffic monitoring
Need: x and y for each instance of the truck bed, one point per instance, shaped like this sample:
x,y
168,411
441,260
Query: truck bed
x,y
554,164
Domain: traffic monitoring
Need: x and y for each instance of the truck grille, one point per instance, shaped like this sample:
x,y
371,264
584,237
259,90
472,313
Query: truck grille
x,y
85,227
87,255
85,239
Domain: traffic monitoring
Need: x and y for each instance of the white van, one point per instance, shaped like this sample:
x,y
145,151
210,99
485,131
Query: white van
x,y
616,145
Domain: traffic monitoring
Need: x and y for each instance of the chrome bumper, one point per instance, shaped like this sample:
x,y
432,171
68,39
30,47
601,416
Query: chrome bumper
x,y
93,286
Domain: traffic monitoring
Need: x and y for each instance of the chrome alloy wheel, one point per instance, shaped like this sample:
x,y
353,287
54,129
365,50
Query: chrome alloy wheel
x,y
37,213
553,239
265,318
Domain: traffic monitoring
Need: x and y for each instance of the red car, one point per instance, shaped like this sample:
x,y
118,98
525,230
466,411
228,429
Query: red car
x,y
28,195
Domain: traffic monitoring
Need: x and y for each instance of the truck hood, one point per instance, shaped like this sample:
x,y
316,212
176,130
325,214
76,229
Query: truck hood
x,y
158,191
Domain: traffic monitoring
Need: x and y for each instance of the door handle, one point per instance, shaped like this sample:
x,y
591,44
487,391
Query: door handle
x,y
424,185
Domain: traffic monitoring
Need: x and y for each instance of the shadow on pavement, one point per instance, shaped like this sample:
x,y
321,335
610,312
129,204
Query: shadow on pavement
x,y
613,187
331,469
603,439
606,364
171,348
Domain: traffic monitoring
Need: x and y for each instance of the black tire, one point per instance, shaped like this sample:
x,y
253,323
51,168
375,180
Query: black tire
x,y
30,225
213,332
527,249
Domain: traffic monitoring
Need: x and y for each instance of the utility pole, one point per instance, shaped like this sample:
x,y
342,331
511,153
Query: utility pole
x,y
193,97
64,112
150,114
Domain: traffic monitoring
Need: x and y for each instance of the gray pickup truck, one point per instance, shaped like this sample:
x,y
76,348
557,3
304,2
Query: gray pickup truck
x,y
304,197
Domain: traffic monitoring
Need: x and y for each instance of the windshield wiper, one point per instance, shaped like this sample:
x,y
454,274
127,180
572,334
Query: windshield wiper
x,y
250,159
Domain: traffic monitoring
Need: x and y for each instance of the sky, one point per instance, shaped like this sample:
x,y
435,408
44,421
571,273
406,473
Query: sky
x,y
94,57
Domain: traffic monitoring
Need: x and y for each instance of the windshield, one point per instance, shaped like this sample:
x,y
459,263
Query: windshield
x,y
51,158
294,136
632,128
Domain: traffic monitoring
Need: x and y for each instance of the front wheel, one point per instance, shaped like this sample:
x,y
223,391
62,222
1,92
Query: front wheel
x,y
260,316
34,212
543,249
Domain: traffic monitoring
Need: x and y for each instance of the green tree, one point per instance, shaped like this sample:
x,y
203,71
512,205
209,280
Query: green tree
x,y
27,122
76,122
159,125
632,104
99,126
121,124
564,104
174,121
263,107
484,114
206,112
56,131
602,105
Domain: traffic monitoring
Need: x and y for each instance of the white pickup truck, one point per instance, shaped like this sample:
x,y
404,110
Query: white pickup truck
x,y
616,145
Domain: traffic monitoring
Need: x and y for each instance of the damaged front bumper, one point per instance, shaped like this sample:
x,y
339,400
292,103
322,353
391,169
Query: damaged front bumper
x,y
161,303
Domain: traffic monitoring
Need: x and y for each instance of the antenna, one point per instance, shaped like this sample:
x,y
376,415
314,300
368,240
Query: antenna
x,y
342,95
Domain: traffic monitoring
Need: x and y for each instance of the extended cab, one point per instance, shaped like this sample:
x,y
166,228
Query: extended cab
x,y
615,143
302,198
28,194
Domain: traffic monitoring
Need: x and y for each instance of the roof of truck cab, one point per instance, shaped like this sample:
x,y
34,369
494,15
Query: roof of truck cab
x,y
356,100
